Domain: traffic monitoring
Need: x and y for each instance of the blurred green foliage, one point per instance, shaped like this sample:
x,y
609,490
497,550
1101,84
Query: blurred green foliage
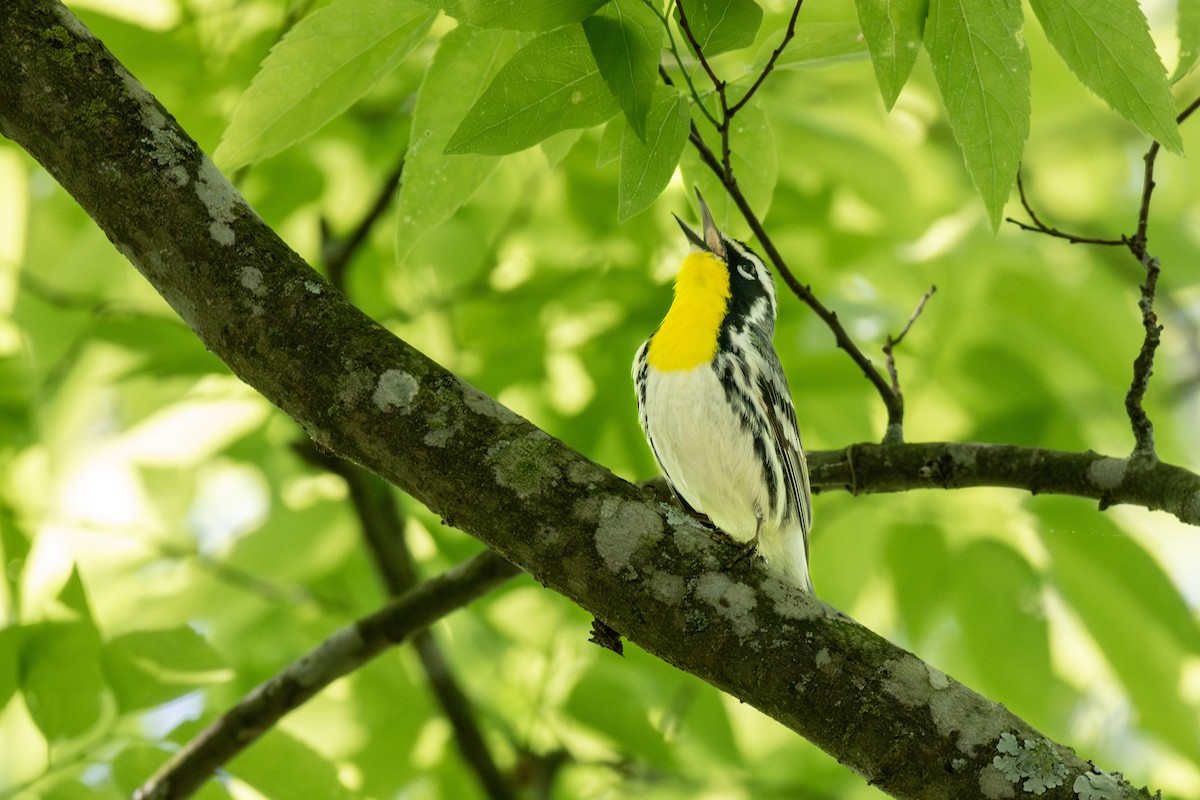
x,y
165,551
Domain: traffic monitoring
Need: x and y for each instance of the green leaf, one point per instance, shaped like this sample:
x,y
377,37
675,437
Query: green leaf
x,y
284,768
550,85
1189,38
616,702
721,25
146,668
626,39
647,166
817,44
982,69
1005,626
893,30
434,186
921,567
1107,44
609,149
61,677
560,145
527,15
11,642
1132,610
74,597
319,69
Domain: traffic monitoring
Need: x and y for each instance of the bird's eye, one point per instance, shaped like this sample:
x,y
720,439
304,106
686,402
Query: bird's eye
x,y
746,270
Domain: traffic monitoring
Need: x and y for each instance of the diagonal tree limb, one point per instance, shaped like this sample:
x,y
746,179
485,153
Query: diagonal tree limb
x,y
364,394
342,653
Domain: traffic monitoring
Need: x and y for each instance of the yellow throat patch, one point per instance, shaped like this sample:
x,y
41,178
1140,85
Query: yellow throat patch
x,y
687,336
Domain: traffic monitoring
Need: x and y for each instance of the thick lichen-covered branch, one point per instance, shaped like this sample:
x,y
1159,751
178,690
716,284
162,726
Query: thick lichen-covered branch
x,y
360,392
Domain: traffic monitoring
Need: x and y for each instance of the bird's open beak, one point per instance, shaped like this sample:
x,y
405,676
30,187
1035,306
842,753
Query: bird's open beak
x,y
711,241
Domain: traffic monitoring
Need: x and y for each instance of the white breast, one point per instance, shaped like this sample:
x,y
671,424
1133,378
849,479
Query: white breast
x,y
703,449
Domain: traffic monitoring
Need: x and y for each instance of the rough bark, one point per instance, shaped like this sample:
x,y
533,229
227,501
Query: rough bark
x,y
360,392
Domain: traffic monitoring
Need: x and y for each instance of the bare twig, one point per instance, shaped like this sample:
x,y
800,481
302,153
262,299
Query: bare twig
x,y
896,436
1039,226
1143,365
762,76
382,526
337,253
346,650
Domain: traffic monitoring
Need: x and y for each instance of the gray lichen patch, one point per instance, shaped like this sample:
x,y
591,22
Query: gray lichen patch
x,y
220,199
666,586
525,464
1035,764
485,406
1098,785
732,600
967,718
252,279
622,529
1107,473
394,391
789,600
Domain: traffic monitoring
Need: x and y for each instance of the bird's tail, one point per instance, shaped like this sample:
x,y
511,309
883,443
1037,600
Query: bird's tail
x,y
787,553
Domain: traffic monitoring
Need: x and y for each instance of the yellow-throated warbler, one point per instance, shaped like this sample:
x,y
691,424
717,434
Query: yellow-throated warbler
x,y
715,406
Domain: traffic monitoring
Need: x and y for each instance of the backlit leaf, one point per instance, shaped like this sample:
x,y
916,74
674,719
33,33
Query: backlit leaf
x,y
320,67
982,69
1107,44
721,25
893,30
626,40
550,85
647,166
435,185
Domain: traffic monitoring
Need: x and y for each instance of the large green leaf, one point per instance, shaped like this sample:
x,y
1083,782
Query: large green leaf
x,y
320,67
1189,38
999,610
550,85
647,166
1107,44
618,703
11,640
721,25
1132,610
282,767
982,69
61,677
893,30
146,668
527,15
434,185
626,40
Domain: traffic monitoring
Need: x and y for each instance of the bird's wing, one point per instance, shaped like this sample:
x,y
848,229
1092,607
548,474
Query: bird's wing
x,y
781,421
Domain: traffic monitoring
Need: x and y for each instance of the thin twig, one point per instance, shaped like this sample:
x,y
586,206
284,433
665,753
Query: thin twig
x,y
726,117
762,76
383,525
888,352
723,169
343,652
1039,226
338,253
1143,365
895,409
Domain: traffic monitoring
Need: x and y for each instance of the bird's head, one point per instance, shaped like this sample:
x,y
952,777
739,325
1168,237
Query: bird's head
x,y
745,280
